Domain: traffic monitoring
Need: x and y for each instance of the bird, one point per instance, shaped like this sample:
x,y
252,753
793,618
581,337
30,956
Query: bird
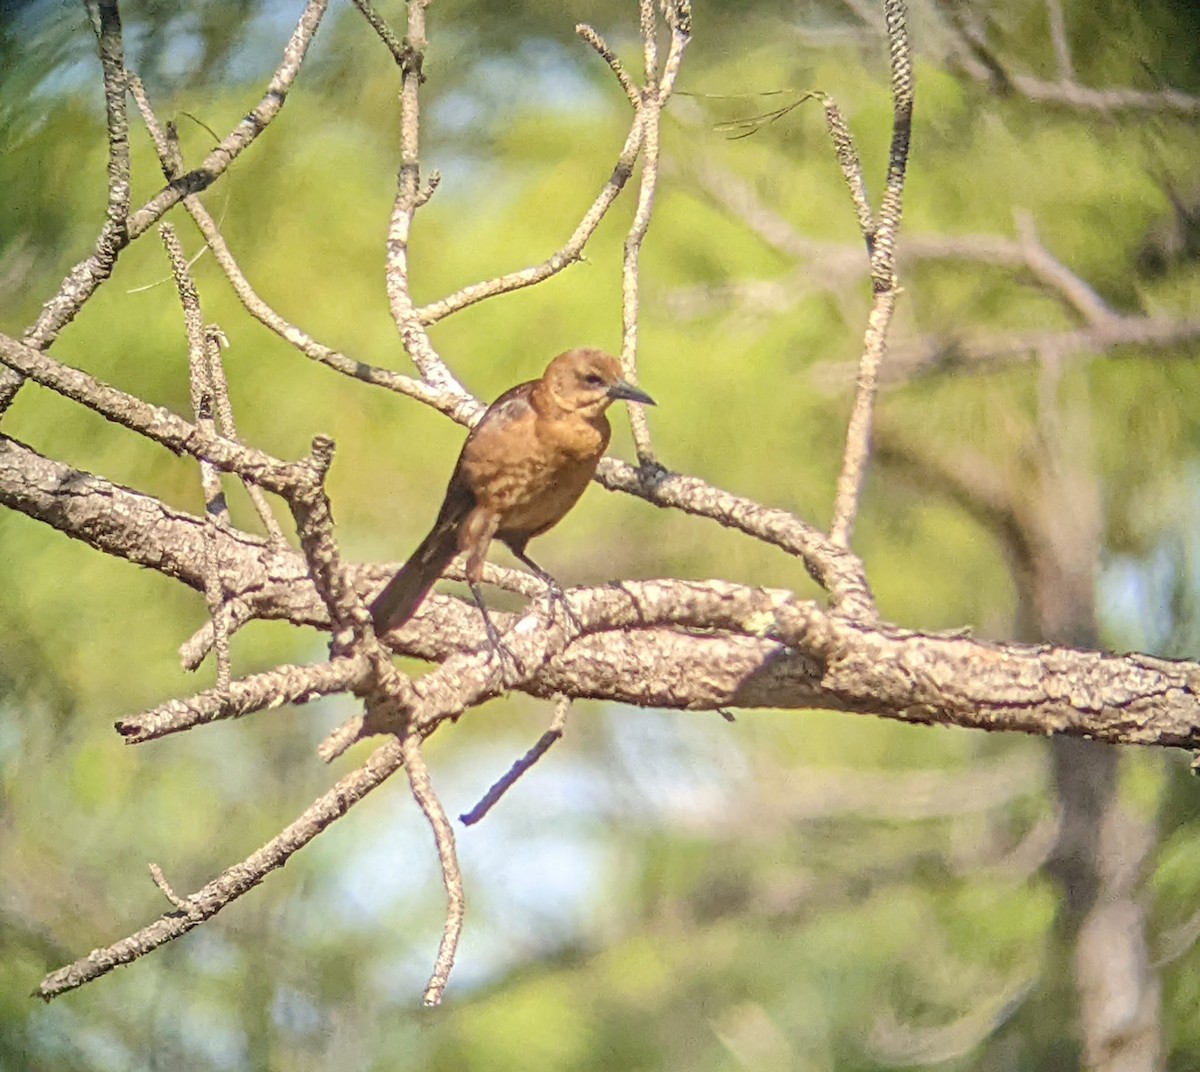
x,y
521,469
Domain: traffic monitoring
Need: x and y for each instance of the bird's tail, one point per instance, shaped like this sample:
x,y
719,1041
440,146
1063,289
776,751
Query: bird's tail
x,y
403,593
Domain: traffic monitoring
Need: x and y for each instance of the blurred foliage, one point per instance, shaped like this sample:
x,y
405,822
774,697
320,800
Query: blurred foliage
x,y
665,890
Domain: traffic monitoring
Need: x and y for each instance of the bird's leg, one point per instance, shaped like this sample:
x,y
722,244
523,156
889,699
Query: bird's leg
x,y
554,589
501,650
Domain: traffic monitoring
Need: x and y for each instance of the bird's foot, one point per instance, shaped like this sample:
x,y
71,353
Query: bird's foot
x,y
501,651
555,594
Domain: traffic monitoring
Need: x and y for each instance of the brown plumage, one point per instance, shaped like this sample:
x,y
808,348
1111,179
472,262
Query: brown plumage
x,y
524,465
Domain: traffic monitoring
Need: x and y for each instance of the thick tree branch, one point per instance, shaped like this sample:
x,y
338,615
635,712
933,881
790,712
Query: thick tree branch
x,y
771,652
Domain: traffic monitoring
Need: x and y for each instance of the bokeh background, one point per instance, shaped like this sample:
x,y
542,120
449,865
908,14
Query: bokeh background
x,y
792,890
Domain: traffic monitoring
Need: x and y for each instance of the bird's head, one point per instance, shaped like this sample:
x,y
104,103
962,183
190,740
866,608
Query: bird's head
x,y
589,381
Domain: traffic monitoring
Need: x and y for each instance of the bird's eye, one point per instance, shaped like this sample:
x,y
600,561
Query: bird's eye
x,y
594,379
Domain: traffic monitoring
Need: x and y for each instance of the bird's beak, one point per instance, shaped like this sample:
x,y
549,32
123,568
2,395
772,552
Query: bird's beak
x,y
629,393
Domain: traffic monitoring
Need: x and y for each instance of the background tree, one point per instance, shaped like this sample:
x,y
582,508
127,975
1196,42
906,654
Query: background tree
x,y
665,890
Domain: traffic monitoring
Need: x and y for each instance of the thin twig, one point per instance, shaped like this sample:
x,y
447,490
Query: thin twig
x,y
883,279
385,687
978,62
409,197
458,406
201,390
199,385
386,34
734,195
593,38
993,351
648,27
502,785
238,611
314,526
214,341
83,280
1058,35
110,41
851,165
154,422
233,881
1051,271
268,690
837,569
160,880
248,129
443,836
653,99
569,253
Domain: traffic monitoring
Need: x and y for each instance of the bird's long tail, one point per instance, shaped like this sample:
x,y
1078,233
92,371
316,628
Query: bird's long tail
x,y
403,593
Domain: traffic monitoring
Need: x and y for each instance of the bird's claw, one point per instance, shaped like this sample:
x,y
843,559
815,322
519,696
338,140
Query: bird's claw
x,y
555,594
501,651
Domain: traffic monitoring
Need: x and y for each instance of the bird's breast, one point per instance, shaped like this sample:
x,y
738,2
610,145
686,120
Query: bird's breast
x,y
536,472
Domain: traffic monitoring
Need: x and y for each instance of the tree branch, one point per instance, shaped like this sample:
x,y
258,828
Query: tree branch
x,y
882,246
233,881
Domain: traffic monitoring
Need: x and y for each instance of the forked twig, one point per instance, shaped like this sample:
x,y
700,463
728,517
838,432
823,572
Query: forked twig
x,y
881,243
233,881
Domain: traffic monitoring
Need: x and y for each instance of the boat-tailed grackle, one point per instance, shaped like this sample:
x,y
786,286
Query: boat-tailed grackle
x,y
523,466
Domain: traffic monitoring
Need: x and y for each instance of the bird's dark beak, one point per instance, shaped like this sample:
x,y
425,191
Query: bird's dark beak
x,y
629,393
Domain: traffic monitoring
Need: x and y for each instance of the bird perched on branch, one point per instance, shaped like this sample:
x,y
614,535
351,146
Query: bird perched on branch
x,y
523,466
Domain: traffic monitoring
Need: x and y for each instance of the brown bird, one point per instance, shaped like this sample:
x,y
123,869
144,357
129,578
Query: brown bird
x,y
523,466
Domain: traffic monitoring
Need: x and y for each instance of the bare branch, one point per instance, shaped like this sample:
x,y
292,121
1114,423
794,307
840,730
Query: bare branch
x,y
736,196
883,280
1051,271
314,525
271,689
233,881
792,656
443,836
1058,35
160,880
86,276
210,482
851,165
977,62
570,252
562,704
930,354
394,45
652,101
154,422
453,405
409,197
835,568
246,132
83,280
214,340
110,41
632,94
